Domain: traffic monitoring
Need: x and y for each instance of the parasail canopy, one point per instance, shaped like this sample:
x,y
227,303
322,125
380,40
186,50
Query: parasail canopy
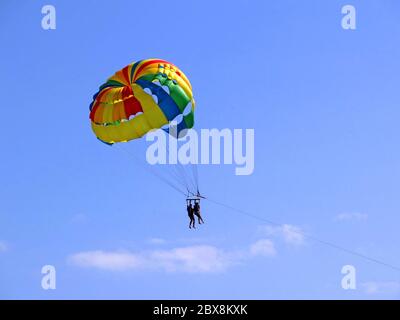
x,y
144,95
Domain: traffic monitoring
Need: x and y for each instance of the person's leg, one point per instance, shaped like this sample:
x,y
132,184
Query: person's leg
x,y
199,217
191,221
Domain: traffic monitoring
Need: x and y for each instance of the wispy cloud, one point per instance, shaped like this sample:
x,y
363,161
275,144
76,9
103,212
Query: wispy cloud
x,y
98,259
3,246
263,247
346,216
380,287
191,259
187,259
157,241
291,234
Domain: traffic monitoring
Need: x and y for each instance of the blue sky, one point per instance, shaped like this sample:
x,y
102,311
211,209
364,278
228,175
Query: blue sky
x,y
324,104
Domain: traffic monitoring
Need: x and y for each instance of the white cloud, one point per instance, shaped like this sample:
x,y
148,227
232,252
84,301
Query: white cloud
x,y
3,246
291,234
157,241
263,247
351,216
202,258
106,260
192,259
376,287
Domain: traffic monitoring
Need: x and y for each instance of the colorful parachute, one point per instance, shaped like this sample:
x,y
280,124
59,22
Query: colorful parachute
x,y
144,95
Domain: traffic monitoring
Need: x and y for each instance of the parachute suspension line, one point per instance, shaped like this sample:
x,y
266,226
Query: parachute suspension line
x,y
189,176
175,173
180,170
190,172
308,236
153,172
196,177
179,174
